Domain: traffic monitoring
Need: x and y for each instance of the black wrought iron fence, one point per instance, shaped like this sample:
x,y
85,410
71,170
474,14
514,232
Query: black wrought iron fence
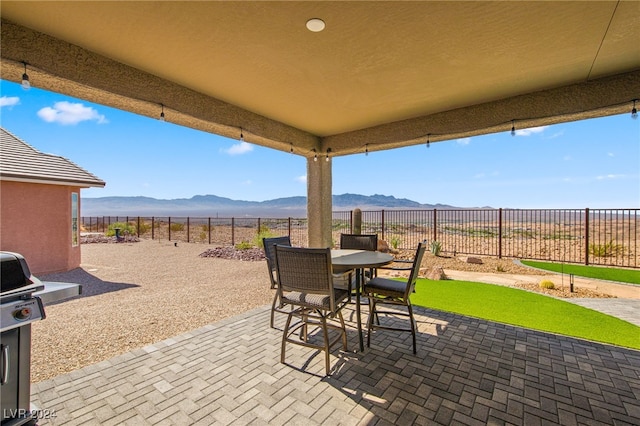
x,y
589,236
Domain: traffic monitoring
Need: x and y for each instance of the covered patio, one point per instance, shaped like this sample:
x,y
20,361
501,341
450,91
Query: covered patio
x,y
381,75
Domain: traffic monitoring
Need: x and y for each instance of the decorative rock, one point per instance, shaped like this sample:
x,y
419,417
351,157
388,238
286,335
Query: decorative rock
x,y
436,273
383,246
475,260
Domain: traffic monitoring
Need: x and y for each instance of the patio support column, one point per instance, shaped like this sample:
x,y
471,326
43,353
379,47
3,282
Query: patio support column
x,y
319,203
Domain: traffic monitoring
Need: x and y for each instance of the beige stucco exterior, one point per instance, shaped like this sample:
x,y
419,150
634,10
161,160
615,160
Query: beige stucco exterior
x,y
35,221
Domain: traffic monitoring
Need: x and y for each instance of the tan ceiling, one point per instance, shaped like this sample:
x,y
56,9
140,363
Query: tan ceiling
x,y
381,75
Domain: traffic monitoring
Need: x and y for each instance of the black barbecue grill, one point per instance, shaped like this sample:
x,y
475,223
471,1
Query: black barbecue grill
x,y
21,303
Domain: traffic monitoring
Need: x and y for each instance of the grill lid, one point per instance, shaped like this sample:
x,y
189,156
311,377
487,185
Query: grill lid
x,y
14,272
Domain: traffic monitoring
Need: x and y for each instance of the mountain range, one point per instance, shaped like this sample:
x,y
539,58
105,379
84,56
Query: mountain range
x,y
214,206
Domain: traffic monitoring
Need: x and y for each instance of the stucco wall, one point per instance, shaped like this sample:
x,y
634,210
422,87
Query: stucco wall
x,y
35,221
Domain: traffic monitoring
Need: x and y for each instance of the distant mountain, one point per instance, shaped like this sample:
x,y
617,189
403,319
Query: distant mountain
x,y
214,206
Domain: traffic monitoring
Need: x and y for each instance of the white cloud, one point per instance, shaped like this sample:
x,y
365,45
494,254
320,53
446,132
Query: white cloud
x,y
301,179
479,176
67,113
464,141
239,148
530,131
9,101
609,176
610,154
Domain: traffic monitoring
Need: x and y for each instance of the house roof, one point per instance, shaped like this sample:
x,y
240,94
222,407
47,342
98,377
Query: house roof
x,y
381,75
19,161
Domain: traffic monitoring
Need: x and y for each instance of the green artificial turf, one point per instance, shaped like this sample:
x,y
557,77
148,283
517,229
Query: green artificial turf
x,y
599,272
525,309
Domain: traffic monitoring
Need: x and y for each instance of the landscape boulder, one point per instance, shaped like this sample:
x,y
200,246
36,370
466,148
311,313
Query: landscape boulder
x,y
436,273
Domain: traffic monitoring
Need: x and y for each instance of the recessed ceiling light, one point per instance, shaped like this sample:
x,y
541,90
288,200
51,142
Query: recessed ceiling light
x,y
316,25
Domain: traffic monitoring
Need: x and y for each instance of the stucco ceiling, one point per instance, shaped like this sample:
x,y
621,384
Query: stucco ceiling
x,y
380,75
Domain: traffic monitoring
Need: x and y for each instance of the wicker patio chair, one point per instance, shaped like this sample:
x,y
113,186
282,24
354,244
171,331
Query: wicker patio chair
x,y
305,281
360,242
270,254
384,291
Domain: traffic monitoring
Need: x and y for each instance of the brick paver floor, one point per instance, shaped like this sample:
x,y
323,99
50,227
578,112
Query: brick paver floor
x,y
467,372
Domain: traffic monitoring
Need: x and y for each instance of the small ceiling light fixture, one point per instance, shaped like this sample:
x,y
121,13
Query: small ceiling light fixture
x,y
366,149
428,140
241,135
26,85
162,113
291,148
315,25
634,111
328,152
513,127
315,155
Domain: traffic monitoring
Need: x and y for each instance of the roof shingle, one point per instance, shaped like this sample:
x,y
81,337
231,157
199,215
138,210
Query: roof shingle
x,y
19,161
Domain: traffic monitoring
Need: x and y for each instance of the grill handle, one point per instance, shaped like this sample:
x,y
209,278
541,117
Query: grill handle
x,y
5,365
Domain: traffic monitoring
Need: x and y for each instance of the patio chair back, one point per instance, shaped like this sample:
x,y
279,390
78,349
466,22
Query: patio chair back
x,y
359,242
305,270
270,254
415,269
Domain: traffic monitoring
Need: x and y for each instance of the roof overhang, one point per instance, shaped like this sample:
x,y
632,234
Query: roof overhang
x,y
78,184
381,75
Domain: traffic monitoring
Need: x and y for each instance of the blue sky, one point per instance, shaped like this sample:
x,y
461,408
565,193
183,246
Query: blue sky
x,y
592,163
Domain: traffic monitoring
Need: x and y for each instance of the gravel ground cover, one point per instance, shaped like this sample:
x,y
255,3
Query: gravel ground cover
x,y
136,293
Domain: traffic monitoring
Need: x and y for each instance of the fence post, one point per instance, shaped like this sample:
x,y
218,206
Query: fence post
x,y
500,233
138,227
289,227
169,228
233,231
382,224
209,229
586,236
435,225
188,229
153,227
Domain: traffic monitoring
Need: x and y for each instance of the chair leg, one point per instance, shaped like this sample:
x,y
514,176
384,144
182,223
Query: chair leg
x,y
343,331
284,336
325,335
372,314
273,308
413,326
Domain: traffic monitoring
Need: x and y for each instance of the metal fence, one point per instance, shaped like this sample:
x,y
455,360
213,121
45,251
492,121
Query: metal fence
x,y
588,236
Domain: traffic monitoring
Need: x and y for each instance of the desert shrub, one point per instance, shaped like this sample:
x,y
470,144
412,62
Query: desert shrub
x,y
395,242
125,228
203,235
436,247
177,227
606,250
244,245
144,228
263,232
548,284
500,268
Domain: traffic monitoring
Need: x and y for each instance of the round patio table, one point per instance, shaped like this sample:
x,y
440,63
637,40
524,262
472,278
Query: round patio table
x,y
359,260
